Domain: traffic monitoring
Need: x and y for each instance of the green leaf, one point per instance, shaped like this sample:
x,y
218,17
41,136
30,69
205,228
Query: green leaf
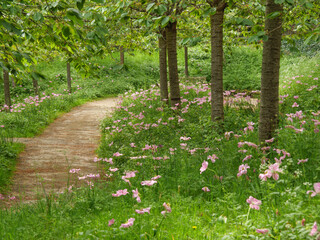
x,y
80,4
38,16
291,2
38,76
66,31
6,24
73,12
98,1
273,15
165,21
279,1
308,5
247,22
162,9
150,6
252,39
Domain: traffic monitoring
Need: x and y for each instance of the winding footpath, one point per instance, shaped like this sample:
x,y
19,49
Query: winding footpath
x,y
68,143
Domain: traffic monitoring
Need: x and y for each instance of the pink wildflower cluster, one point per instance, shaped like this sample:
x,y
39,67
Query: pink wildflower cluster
x,y
129,223
242,169
136,195
120,193
167,208
143,211
254,203
204,166
213,158
273,171
148,182
316,191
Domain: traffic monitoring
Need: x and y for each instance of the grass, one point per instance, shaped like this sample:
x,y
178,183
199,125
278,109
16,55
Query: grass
x,y
162,148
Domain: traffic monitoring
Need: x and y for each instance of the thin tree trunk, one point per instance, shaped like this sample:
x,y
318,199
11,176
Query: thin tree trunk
x,y
35,86
216,20
173,64
13,84
6,83
269,108
163,66
121,55
69,77
186,67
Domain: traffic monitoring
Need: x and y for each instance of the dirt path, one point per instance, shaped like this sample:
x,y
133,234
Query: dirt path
x,y
69,142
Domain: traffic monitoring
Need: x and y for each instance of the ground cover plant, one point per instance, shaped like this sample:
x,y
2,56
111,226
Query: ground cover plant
x,y
170,175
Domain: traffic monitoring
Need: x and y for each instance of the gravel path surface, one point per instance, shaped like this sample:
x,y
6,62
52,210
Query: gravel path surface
x,y
69,142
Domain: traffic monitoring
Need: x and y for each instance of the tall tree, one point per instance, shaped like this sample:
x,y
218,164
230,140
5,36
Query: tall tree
x,y
69,77
163,65
269,109
171,32
216,21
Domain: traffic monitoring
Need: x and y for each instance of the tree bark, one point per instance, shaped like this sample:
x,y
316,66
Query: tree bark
x,y
269,108
35,86
6,83
173,64
186,67
13,84
121,55
69,77
163,66
216,22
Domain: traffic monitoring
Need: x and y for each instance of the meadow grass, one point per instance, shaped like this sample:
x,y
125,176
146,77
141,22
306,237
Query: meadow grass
x,y
152,156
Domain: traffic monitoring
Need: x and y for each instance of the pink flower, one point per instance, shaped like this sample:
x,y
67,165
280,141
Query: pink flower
x,y
74,170
295,104
254,203
247,158
167,208
263,231
314,229
136,195
117,154
316,191
156,177
120,193
111,222
132,145
185,138
205,189
129,223
144,210
213,158
271,172
302,160
269,140
113,169
204,167
274,168
148,182
243,169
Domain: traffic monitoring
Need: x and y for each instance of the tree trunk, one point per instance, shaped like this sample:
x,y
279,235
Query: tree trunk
x,y
13,84
216,20
35,86
269,108
186,67
6,83
121,55
69,77
163,66
173,64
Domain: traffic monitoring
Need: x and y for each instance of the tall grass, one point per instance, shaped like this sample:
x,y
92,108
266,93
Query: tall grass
x,y
146,140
